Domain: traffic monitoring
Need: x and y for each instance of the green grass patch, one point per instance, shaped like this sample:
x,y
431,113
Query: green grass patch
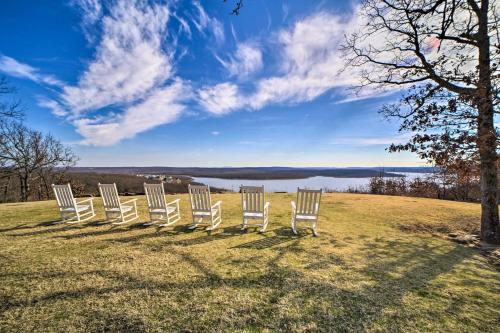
x,y
365,272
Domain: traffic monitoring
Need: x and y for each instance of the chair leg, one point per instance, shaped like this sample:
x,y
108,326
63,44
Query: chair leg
x,y
194,224
121,219
264,225
77,216
294,226
263,229
215,225
244,224
315,233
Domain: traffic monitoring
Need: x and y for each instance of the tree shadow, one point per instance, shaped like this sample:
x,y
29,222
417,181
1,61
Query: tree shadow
x,y
281,235
67,227
223,233
411,268
25,226
114,321
95,233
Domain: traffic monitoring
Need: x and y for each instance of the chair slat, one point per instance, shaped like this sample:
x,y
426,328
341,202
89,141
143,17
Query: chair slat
x,y
200,197
64,196
252,198
155,195
308,201
109,194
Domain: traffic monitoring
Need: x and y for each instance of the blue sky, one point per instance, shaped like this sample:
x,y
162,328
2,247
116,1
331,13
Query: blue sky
x,y
182,83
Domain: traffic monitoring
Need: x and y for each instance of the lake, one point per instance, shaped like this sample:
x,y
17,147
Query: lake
x,y
290,185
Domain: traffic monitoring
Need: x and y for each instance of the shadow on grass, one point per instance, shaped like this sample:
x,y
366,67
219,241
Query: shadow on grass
x,y
106,229
408,270
281,235
114,321
215,235
25,226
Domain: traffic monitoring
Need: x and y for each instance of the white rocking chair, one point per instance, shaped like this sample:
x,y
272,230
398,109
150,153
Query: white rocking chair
x,y
254,207
159,209
114,209
202,208
307,209
71,210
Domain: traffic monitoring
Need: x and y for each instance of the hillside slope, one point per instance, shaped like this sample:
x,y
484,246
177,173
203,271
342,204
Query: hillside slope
x,y
367,271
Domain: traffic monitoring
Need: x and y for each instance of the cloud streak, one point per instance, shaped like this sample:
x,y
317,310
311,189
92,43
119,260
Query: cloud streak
x,y
162,106
310,65
246,60
130,85
129,59
17,69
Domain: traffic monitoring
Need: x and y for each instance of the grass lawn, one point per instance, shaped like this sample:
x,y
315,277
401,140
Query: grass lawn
x,y
367,271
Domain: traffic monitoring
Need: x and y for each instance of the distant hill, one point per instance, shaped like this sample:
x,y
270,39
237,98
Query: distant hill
x,y
248,172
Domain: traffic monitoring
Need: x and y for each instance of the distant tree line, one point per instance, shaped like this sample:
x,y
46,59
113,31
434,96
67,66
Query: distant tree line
x,y
459,182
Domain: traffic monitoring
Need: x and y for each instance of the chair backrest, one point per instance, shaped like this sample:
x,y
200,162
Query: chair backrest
x,y
109,195
155,195
64,196
308,201
200,197
252,198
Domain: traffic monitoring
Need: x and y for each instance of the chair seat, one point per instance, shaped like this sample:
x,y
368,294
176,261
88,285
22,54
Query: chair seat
x,y
204,213
306,217
253,214
124,209
162,210
79,208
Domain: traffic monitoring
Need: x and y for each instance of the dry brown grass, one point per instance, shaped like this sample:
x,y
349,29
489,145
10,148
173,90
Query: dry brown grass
x,y
364,273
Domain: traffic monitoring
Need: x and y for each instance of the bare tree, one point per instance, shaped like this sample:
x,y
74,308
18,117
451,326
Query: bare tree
x,y
29,154
9,108
449,51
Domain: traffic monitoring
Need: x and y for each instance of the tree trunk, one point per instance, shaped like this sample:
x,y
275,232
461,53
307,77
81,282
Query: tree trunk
x,y
490,231
24,180
487,138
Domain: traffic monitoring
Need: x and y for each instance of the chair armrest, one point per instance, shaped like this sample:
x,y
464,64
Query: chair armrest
x,y
128,201
173,202
217,204
293,205
84,200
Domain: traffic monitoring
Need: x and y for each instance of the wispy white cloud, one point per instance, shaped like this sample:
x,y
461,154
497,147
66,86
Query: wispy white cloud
x,y
285,9
12,67
92,11
52,105
132,72
184,25
129,59
220,99
246,60
310,65
215,133
162,106
205,22
133,69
